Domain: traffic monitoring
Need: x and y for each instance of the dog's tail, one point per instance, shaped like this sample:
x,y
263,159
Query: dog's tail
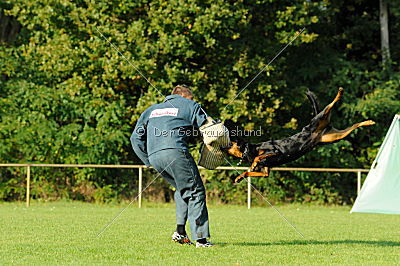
x,y
314,101
235,132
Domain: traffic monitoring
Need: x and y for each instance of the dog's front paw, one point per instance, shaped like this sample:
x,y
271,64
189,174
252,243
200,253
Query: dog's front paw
x,y
265,171
240,178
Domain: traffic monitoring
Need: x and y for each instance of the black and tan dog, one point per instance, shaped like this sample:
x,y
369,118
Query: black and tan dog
x,y
272,153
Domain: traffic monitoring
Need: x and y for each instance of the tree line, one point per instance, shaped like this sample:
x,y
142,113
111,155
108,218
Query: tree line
x,y
69,97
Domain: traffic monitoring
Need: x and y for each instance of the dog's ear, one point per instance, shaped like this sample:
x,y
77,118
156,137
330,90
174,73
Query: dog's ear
x,y
234,130
229,124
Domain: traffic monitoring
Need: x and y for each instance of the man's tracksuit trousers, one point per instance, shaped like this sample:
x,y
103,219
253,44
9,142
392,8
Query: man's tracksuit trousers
x,y
178,167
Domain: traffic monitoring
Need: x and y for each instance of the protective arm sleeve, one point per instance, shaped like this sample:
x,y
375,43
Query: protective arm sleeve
x,y
139,140
208,132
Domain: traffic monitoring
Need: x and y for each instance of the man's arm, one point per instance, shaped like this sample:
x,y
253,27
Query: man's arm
x,y
139,140
199,116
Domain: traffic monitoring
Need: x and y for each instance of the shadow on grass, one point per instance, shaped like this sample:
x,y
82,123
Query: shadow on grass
x,y
316,242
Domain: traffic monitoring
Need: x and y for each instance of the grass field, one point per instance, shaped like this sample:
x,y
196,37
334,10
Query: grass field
x,y
65,233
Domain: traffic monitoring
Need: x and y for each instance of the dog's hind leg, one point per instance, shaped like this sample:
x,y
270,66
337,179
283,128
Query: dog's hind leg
x,y
325,118
330,106
335,134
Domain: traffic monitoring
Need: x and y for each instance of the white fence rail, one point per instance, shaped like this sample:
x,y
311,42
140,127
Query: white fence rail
x,y
140,169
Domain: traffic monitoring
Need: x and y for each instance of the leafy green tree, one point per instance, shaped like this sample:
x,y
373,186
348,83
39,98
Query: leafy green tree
x,y
69,97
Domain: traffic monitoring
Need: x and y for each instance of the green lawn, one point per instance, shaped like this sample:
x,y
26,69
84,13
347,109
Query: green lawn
x,y
62,232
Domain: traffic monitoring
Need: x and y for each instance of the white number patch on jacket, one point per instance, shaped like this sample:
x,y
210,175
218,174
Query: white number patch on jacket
x,y
164,112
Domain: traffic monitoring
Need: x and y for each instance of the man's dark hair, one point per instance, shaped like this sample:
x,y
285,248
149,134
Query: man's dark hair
x,y
182,90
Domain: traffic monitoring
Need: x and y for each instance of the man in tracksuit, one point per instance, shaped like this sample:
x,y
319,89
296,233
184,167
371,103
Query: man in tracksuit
x,y
160,140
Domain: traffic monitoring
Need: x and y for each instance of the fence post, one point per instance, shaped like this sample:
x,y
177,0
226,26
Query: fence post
x,y
358,182
140,186
28,185
248,192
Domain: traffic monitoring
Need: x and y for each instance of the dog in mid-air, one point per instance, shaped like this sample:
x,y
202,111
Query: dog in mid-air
x,y
272,153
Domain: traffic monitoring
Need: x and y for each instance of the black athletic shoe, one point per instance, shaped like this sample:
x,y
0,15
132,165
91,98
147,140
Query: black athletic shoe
x,y
181,239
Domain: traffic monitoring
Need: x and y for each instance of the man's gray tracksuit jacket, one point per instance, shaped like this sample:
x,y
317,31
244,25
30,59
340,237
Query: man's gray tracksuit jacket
x,y
160,140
